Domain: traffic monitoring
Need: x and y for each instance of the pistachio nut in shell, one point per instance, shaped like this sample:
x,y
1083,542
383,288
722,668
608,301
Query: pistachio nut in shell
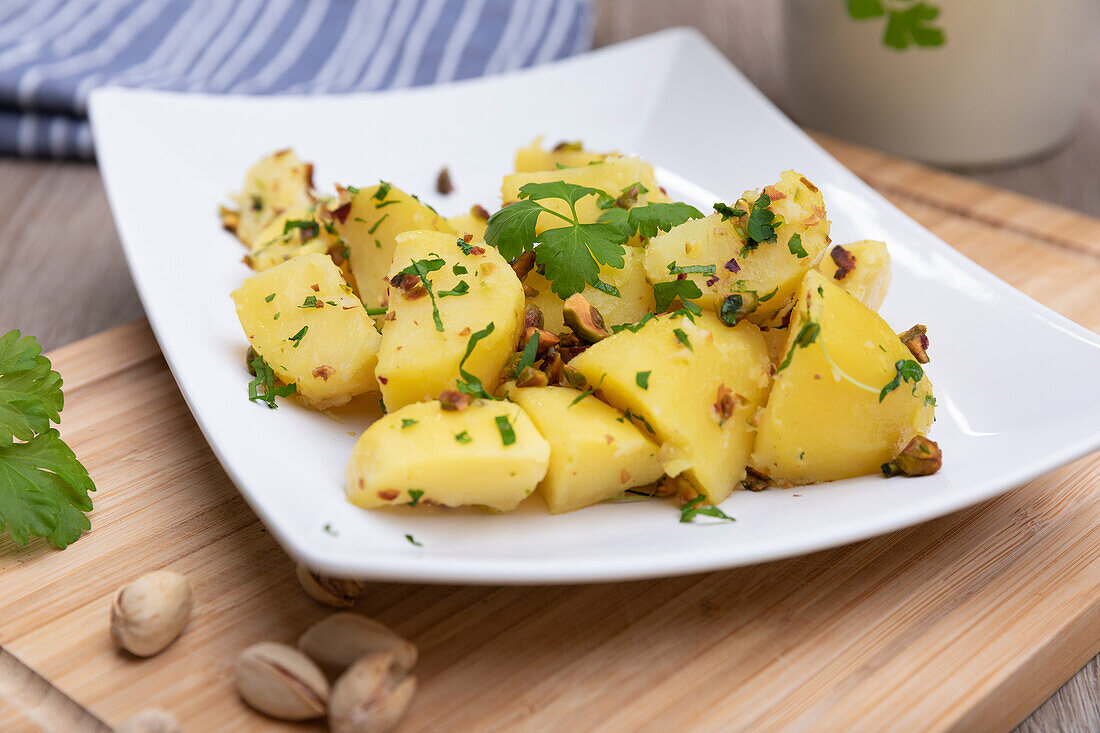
x,y
148,613
280,681
371,696
342,638
334,592
152,720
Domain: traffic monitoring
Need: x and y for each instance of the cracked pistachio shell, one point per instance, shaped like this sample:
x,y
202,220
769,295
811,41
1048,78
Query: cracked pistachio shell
x,y
344,637
280,681
334,592
149,613
371,696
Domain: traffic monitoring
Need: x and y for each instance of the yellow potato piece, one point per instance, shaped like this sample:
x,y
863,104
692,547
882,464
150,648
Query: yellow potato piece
x,y
489,454
417,361
474,223
279,183
330,351
370,228
595,453
564,155
771,270
870,279
680,403
824,420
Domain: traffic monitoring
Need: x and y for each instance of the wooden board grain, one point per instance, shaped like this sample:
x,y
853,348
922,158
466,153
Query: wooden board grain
x,y
963,623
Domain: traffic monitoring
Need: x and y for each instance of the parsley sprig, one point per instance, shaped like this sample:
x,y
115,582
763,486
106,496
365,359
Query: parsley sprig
x,y
43,486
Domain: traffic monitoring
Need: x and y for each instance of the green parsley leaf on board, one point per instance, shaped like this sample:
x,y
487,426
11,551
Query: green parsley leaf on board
x,y
692,509
905,26
906,370
43,486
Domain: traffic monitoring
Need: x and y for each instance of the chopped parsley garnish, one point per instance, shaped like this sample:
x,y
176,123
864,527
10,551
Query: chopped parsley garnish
x,y
459,269
378,223
906,370
352,190
43,486
642,379
412,541
683,338
692,509
465,246
727,212
929,400
414,496
507,434
674,269
269,298
634,327
607,288
588,392
276,316
571,255
759,227
794,244
309,302
469,383
462,288
628,415
297,338
665,293
382,192
378,311
464,437
407,422
769,296
386,203
806,336
307,228
421,268
329,530
265,378
530,352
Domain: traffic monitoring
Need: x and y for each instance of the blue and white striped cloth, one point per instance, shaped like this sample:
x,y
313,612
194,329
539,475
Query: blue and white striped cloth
x,y
54,52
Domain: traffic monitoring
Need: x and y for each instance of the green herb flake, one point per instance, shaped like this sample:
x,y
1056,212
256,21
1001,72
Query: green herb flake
x,y
297,338
407,422
459,270
377,311
693,509
587,392
634,327
794,244
269,298
276,316
329,530
265,381
421,268
412,541
352,190
507,434
666,292
906,370
464,438
462,288
683,338
414,497
467,382
806,335
760,228
309,302
382,192
769,296
642,379
378,224
674,269
929,400
607,288
727,212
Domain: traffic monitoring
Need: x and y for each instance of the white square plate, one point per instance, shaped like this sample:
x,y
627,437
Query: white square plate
x,y
1010,408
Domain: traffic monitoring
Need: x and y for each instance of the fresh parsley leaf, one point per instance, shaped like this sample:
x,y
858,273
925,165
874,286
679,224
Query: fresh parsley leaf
x,y
412,541
692,509
462,288
507,434
379,311
794,244
265,378
665,293
414,495
30,391
620,219
642,379
512,229
571,256
906,370
374,227
728,212
383,191
683,338
607,288
571,193
459,269
674,269
469,383
759,227
649,219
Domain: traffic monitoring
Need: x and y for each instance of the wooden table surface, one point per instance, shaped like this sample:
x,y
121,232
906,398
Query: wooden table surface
x,y
62,274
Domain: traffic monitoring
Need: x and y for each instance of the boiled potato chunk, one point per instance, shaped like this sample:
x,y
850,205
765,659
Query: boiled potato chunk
x,y
489,454
279,183
296,233
824,420
377,215
303,319
772,270
594,453
870,278
563,155
417,361
474,223
613,175
635,297
697,397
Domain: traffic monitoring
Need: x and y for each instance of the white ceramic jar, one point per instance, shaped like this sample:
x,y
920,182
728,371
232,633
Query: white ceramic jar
x,y
1006,83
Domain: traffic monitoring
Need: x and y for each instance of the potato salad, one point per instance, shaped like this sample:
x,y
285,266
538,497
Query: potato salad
x,y
590,339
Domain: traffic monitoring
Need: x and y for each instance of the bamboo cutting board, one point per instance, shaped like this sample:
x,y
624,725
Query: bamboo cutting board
x,y
966,622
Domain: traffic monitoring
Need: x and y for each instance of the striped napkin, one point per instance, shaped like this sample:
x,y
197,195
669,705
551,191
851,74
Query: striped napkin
x,y
54,52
